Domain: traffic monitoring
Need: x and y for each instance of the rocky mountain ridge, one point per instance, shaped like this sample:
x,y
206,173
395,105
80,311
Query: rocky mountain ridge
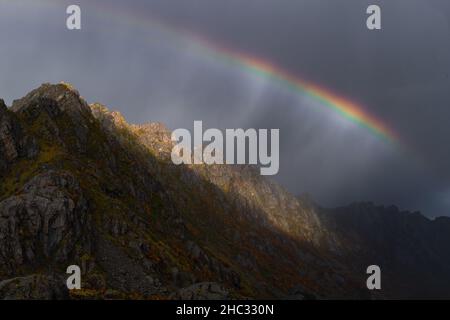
x,y
79,185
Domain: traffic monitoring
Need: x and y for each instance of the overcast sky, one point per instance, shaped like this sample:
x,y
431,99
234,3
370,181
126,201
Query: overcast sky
x,y
400,74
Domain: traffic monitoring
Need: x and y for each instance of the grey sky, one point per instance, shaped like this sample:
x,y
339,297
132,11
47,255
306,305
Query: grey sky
x,y
400,73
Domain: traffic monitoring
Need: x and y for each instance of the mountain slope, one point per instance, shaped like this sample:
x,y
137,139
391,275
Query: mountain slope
x,y
79,185
412,251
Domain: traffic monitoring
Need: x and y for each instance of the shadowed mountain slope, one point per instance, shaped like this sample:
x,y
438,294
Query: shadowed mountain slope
x,y
79,185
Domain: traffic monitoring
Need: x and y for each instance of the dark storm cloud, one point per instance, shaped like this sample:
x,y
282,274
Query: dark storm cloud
x,y
400,73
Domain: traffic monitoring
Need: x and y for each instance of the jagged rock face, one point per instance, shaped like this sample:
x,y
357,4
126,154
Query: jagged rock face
x,y
79,185
44,220
65,97
34,287
8,138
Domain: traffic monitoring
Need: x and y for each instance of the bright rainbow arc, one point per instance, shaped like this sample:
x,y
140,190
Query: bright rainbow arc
x,y
342,106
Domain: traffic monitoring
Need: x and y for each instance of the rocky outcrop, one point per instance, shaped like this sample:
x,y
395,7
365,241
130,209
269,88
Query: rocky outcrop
x,y
9,136
44,220
34,287
65,97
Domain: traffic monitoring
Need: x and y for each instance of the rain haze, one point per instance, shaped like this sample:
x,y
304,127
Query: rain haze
x,y
140,58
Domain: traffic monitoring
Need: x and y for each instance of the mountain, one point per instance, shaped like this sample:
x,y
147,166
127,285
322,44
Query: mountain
x,y
79,185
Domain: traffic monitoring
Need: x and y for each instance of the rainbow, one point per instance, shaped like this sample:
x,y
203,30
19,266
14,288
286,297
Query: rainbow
x,y
342,106
255,65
